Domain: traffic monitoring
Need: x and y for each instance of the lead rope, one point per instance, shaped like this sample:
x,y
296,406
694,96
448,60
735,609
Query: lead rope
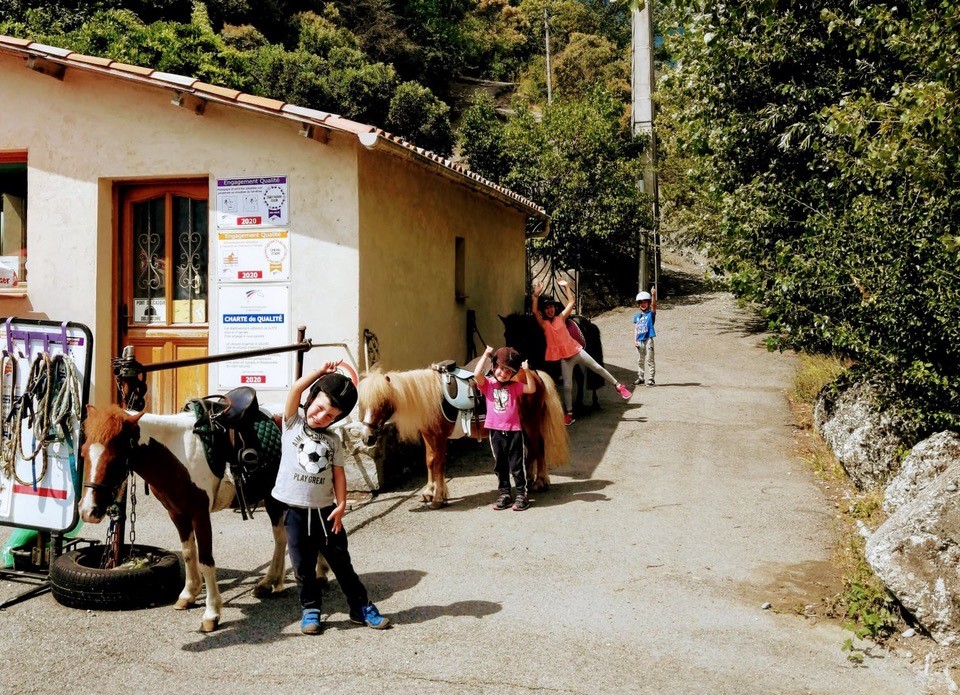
x,y
66,409
7,452
36,393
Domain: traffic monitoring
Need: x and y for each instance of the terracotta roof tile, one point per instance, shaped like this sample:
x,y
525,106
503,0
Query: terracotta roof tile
x,y
135,69
92,60
348,125
224,92
14,41
262,102
167,80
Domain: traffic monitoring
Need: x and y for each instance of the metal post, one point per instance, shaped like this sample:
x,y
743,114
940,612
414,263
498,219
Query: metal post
x,y
643,116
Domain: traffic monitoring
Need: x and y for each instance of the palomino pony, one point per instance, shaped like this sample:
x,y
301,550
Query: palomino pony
x,y
412,401
169,456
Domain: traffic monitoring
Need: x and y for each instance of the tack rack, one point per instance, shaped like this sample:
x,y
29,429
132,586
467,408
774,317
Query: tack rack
x,y
42,361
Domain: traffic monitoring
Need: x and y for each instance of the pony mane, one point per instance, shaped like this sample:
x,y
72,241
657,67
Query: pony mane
x,y
104,424
414,396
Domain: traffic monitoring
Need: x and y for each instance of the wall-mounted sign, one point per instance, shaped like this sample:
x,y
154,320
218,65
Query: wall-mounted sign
x,y
252,318
253,256
253,202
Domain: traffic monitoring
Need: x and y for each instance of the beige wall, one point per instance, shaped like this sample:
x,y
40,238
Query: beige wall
x,y
409,218
86,132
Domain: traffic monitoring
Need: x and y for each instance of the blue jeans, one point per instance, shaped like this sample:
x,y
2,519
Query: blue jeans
x,y
304,544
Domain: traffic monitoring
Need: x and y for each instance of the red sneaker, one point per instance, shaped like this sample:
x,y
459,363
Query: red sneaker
x,y
568,419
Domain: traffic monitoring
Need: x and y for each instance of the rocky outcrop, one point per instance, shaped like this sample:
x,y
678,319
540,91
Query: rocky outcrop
x,y
866,441
927,461
915,553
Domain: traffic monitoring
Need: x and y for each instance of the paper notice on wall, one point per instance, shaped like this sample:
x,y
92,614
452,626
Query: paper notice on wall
x,y
252,202
9,270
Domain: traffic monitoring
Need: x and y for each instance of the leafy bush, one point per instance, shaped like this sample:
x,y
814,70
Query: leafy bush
x,y
813,152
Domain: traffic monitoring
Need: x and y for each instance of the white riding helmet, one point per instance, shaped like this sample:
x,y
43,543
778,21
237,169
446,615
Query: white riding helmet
x,y
644,296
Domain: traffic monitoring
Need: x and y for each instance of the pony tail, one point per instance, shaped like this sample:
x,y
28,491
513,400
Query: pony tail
x,y
556,439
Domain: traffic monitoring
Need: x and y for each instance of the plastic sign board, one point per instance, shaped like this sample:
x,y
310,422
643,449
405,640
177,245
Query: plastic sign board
x,y
252,202
253,318
41,478
253,256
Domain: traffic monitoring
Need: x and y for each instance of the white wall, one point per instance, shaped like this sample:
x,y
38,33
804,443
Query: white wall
x,y
86,132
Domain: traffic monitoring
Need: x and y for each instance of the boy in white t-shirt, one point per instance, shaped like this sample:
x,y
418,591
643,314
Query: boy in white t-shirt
x,y
312,483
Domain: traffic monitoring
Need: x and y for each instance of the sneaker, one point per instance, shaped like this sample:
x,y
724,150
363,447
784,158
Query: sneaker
x,y
568,419
638,381
310,623
623,391
503,502
369,615
651,383
521,503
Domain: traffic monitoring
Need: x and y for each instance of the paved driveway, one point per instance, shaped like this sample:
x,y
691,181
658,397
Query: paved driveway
x,y
642,570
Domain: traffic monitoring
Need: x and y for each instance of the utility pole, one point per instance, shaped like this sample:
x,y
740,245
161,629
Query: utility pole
x,y
546,36
642,73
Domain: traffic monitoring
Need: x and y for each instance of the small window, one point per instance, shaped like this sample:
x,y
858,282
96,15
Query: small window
x,y
460,271
13,219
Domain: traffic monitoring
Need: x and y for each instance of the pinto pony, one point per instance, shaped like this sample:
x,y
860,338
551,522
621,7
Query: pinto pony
x,y
412,401
169,456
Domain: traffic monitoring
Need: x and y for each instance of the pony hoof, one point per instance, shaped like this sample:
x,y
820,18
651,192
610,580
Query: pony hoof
x,y
210,625
436,504
263,590
183,604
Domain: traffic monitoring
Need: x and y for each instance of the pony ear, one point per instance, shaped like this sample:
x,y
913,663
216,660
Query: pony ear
x,y
90,409
134,419
502,317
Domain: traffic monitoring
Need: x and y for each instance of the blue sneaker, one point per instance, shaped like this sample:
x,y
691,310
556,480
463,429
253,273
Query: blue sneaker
x,y
310,623
369,615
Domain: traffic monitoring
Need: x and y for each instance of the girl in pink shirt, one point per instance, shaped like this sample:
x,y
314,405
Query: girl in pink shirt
x,y
561,346
502,394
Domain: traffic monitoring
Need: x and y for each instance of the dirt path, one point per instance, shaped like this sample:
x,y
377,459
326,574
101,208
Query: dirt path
x,y
643,569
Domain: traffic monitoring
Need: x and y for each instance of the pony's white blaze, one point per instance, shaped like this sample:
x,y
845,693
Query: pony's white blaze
x,y
94,458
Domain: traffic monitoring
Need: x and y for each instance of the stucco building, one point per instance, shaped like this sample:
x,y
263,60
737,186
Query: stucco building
x,y
187,219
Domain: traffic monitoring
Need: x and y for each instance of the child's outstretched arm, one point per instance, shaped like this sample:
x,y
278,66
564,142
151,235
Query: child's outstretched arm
x,y
301,385
529,384
535,303
653,298
480,369
571,300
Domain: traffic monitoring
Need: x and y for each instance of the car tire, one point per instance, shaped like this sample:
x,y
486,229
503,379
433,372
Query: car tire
x,y
149,577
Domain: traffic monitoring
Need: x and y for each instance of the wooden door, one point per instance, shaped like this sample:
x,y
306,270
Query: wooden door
x,y
164,285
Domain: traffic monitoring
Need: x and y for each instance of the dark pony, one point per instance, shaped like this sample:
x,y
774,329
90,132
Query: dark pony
x,y
167,453
522,332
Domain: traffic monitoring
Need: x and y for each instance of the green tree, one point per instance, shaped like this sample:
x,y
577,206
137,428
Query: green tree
x,y
813,152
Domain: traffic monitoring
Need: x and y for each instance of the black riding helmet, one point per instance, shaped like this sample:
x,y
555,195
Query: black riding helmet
x,y
509,358
339,389
546,300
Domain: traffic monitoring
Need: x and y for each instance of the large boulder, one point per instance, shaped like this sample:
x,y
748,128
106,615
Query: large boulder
x,y
915,553
867,442
926,462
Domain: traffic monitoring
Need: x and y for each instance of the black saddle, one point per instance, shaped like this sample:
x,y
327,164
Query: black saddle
x,y
234,430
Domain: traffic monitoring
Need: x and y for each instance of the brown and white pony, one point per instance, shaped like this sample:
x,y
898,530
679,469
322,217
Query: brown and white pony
x,y
165,452
412,401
